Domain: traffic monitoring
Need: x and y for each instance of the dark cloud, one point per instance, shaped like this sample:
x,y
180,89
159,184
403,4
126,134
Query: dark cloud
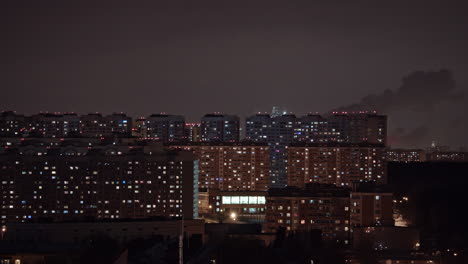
x,y
426,97
420,91
415,137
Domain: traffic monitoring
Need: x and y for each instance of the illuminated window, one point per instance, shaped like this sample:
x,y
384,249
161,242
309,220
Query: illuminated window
x,y
244,200
235,199
261,200
226,199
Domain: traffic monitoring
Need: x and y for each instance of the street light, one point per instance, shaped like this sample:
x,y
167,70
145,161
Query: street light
x,y
3,231
233,216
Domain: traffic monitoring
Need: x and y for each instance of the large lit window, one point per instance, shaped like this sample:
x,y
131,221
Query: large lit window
x,y
253,199
261,200
235,199
244,199
226,200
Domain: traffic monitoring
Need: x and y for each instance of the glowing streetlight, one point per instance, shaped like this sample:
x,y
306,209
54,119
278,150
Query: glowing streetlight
x,y
233,216
3,231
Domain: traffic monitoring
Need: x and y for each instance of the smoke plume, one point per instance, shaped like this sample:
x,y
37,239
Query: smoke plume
x,y
427,106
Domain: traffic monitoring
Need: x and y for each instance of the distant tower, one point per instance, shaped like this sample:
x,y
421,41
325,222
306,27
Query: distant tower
x,y
278,111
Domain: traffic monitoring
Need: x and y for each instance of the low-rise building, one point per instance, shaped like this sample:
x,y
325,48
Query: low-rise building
x,y
238,206
406,155
317,206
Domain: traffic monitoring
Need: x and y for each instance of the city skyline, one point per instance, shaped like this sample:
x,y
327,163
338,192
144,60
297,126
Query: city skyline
x,y
304,57
138,123
135,132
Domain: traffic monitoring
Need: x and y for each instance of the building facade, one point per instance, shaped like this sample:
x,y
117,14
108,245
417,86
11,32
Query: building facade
x,y
231,166
316,207
278,133
166,128
72,182
97,125
139,128
282,131
63,125
406,155
220,128
359,127
447,156
193,132
371,206
339,164
12,124
242,206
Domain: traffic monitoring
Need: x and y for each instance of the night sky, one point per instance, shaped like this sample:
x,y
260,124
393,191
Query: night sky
x,y
240,58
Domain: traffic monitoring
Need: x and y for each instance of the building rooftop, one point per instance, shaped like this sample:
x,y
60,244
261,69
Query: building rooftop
x,y
310,190
336,144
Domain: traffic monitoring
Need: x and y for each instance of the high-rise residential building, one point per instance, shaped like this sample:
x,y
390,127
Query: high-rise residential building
x,y
282,131
339,127
76,181
193,132
376,129
166,128
97,125
71,125
258,128
317,206
406,155
339,164
281,135
220,128
46,125
139,128
61,125
94,125
50,125
238,166
31,142
12,124
119,124
359,127
341,123
278,133
314,128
